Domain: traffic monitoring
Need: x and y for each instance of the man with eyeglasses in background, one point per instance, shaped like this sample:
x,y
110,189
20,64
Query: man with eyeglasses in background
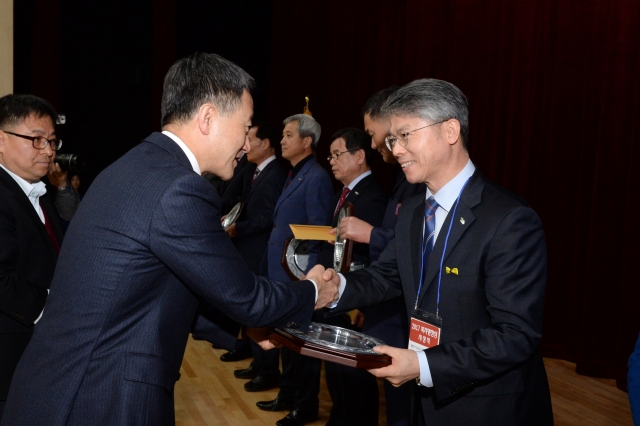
x,y
354,392
470,261
30,227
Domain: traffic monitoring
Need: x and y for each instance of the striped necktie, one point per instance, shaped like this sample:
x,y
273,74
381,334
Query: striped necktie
x,y
430,207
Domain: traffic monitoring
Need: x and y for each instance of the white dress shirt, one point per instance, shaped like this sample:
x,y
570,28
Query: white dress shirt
x,y
33,191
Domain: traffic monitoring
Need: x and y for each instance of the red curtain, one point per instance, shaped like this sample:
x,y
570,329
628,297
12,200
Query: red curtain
x,y
554,95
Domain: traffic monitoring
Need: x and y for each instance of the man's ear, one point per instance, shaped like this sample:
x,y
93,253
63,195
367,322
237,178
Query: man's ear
x,y
451,131
3,141
307,141
265,143
361,156
207,118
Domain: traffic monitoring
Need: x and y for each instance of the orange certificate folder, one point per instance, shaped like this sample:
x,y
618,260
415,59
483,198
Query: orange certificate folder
x,y
312,232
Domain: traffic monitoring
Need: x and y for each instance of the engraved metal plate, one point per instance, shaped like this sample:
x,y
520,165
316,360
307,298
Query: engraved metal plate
x,y
337,338
297,256
233,215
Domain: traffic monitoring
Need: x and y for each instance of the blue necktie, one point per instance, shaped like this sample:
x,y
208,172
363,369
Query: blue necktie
x,y
430,207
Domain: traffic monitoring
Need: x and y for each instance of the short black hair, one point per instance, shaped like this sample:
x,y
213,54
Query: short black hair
x,y
16,108
266,131
375,102
356,139
201,78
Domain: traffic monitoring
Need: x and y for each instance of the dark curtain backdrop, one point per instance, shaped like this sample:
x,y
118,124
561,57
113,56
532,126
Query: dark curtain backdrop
x,y
553,89
554,95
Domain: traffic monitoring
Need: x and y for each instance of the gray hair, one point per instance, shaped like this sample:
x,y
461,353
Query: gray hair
x,y
431,100
307,126
201,78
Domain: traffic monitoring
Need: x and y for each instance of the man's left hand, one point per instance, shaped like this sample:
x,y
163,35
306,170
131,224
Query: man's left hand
x,y
404,365
261,337
57,177
231,230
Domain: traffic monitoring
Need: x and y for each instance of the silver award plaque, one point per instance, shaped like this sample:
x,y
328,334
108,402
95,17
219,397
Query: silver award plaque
x,y
297,256
338,338
233,215
335,344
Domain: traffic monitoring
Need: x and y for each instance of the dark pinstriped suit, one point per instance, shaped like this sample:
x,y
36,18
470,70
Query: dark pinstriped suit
x,y
146,239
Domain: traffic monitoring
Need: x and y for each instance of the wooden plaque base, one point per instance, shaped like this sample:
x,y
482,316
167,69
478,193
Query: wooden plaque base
x,y
329,354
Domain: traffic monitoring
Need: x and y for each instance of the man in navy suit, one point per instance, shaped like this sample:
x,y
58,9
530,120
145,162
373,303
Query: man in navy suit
x,y
306,199
138,257
476,294
30,229
250,234
385,320
354,392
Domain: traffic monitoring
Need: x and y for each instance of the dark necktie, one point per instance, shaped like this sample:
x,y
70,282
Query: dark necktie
x,y
343,196
430,207
289,179
50,230
255,175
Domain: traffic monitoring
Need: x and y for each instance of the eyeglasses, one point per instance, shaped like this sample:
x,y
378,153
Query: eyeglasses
x,y
337,155
40,142
391,140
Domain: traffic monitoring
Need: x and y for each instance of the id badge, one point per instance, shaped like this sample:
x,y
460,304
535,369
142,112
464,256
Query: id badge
x,y
425,329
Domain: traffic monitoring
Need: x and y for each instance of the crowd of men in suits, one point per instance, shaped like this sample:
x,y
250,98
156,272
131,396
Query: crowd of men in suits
x,y
143,265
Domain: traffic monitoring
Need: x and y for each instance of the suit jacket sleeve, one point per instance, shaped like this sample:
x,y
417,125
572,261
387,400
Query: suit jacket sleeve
x,y
514,280
199,252
378,240
20,299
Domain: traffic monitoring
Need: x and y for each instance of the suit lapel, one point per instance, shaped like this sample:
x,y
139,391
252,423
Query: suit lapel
x,y
295,183
24,203
260,178
417,228
471,196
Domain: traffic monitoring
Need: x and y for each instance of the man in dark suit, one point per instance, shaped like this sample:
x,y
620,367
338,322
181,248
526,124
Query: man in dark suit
x,y
385,320
137,257
476,306
306,199
250,234
354,392
30,228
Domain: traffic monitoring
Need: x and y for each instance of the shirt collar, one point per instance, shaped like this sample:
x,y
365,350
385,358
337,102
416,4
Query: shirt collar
x,y
187,151
449,193
30,189
358,179
265,163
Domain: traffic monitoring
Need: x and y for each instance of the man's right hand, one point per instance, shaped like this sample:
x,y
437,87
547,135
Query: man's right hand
x,y
328,283
355,229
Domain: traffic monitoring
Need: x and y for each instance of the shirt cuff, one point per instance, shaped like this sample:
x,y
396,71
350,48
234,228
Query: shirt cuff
x,y
343,284
425,372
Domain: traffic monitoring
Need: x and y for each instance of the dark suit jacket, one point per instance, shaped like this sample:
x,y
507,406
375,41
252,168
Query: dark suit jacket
x,y
255,224
27,262
306,201
369,202
233,191
144,242
488,368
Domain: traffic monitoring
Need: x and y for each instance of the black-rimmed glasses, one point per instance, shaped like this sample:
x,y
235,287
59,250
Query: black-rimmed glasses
x,y
337,155
39,142
391,140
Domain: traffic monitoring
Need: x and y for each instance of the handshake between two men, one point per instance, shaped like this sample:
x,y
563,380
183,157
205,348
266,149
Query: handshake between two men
x,y
405,365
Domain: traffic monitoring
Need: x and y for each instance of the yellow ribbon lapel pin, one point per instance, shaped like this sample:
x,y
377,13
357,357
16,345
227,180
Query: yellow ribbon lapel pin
x,y
453,271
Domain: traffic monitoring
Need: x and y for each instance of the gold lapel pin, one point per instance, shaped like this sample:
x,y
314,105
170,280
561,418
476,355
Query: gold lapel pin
x,y
453,271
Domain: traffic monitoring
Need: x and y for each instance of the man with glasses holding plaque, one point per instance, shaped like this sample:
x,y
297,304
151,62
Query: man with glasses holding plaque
x,y
30,228
470,261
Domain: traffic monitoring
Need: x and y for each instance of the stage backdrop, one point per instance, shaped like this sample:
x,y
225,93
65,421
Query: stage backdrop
x,y
553,89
